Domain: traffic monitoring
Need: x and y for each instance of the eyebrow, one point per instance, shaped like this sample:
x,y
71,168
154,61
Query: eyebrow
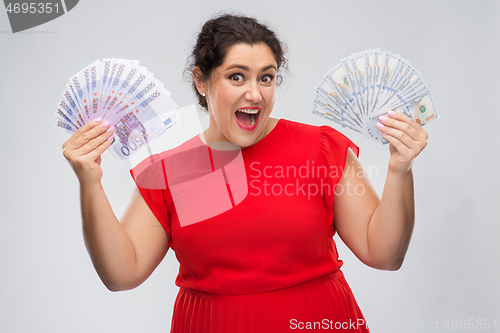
x,y
247,69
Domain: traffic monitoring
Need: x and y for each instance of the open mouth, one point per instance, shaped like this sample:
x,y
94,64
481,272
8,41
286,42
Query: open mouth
x,y
247,118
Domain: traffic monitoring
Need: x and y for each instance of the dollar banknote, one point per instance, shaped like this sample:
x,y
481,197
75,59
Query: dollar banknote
x,y
368,84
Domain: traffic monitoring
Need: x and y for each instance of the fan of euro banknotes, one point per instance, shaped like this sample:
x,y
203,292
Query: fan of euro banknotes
x,y
368,84
124,94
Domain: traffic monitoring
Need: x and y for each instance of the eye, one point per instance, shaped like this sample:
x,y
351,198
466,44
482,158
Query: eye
x,y
267,78
236,77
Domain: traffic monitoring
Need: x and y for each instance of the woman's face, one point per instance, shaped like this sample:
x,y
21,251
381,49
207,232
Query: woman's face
x,y
240,95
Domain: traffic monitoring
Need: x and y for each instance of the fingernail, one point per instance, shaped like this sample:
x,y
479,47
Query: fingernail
x,y
110,129
391,113
379,125
105,124
96,120
382,118
383,133
110,138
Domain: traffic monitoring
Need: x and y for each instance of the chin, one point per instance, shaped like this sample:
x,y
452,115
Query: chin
x,y
244,142
244,138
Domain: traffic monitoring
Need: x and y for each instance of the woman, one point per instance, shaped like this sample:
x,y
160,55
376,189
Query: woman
x,y
266,262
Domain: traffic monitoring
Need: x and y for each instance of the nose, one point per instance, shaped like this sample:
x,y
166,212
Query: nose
x,y
253,93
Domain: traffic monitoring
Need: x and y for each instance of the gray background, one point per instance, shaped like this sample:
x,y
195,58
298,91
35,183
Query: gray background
x,y
451,271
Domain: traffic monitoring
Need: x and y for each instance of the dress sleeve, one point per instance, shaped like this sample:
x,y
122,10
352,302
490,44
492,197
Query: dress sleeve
x,y
334,147
149,177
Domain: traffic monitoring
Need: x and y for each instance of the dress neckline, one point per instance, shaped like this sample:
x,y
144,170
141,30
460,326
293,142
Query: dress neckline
x,y
278,124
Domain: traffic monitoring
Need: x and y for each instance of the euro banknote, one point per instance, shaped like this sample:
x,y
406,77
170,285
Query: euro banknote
x,y
123,93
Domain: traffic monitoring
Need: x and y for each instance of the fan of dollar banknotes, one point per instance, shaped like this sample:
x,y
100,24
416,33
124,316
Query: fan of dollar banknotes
x,y
368,84
124,94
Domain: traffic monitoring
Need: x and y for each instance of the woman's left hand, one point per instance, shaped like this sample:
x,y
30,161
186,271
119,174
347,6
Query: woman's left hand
x,y
407,139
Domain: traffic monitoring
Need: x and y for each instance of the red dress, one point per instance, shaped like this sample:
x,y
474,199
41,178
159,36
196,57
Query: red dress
x,y
252,231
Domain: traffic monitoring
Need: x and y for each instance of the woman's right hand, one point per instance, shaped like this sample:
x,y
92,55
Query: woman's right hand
x,y
84,148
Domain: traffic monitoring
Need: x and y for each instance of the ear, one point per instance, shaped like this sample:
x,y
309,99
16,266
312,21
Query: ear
x,y
199,80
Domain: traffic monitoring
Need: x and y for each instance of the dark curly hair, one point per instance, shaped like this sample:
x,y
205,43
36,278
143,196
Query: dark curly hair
x,y
219,34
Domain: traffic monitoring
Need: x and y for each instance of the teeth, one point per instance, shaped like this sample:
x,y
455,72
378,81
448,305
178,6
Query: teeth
x,y
253,119
249,111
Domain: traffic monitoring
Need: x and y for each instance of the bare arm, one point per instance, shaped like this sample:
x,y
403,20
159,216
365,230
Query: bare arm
x,y
378,231
123,254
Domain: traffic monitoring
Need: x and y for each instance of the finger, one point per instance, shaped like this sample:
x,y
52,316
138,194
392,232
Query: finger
x,y
94,143
90,135
401,125
402,136
401,117
80,131
421,134
96,153
398,144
